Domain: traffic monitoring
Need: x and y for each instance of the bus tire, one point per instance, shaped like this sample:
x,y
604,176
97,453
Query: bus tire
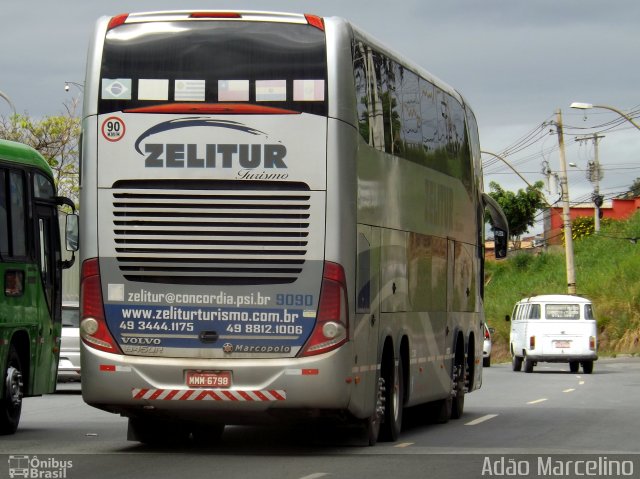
x,y
371,425
440,411
156,432
392,372
457,399
11,401
207,434
587,367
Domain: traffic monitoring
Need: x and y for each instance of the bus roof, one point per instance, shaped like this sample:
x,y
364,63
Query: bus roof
x,y
23,154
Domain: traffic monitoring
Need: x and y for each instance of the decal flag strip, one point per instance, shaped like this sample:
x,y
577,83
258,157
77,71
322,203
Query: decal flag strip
x,y
207,394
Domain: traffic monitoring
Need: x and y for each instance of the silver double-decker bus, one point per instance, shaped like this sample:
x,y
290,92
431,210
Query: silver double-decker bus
x,y
282,219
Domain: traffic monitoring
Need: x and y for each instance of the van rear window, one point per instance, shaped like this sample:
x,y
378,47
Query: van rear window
x,y
562,311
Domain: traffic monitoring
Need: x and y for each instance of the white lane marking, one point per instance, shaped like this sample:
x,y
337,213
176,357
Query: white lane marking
x,y
568,390
581,383
315,475
404,444
537,401
479,420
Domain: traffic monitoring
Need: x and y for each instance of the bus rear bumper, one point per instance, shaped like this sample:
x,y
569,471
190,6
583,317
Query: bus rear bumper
x,y
562,358
134,385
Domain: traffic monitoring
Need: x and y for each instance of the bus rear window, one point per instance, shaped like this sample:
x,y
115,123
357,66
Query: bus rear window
x,y
271,64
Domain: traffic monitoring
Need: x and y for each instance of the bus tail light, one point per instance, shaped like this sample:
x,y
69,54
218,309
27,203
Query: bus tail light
x,y
532,342
218,15
592,343
331,329
93,326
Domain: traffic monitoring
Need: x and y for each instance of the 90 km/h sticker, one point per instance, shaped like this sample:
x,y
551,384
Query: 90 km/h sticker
x,y
113,129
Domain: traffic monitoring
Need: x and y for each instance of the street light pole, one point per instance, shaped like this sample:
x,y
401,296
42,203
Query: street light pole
x,y
566,210
8,100
594,175
588,106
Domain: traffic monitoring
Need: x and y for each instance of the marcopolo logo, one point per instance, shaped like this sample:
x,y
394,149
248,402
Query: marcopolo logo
x,y
246,157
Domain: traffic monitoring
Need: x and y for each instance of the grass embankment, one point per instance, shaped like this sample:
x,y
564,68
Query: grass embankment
x,y
607,272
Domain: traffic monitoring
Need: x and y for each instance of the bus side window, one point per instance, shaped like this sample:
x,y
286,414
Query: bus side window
x,y
4,226
17,215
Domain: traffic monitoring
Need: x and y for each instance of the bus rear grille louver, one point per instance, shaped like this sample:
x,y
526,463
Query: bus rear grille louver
x,y
211,232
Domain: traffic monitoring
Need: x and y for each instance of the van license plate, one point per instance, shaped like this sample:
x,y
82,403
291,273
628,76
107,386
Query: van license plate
x,y
209,379
562,344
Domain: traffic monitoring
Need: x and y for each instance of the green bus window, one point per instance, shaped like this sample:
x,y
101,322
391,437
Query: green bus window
x,y
42,187
13,283
17,207
4,225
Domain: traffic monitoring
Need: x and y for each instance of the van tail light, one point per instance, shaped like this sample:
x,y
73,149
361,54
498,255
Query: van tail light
x,y
93,325
487,335
592,343
532,342
332,322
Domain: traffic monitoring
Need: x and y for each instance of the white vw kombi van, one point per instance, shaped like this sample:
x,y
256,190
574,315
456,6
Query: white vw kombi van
x,y
553,328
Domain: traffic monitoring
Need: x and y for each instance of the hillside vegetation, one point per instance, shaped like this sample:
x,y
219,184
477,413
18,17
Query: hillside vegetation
x,y
607,272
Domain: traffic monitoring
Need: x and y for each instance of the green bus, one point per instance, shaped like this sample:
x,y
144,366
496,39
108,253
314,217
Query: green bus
x,y
31,266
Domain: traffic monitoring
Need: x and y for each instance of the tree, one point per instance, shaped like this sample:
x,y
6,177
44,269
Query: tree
x,y
56,138
634,190
520,208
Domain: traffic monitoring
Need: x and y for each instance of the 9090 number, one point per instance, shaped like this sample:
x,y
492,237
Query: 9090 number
x,y
294,300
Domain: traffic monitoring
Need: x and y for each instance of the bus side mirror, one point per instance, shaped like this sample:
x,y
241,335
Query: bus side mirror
x,y
507,318
71,232
500,243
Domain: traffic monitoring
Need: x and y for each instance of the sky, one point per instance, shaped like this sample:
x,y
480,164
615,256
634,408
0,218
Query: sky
x,y
516,62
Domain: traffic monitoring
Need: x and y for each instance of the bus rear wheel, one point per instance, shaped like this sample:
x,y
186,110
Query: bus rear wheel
x,y
11,401
458,392
156,432
392,372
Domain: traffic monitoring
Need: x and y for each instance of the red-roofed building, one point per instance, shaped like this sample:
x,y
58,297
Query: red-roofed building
x,y
617,208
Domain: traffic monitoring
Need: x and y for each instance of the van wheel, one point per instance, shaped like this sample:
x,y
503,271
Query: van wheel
x,y
574,366
587,367
516,363
11,400
528,366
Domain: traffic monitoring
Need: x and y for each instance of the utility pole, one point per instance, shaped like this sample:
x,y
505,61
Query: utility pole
x,y
594,175
566,210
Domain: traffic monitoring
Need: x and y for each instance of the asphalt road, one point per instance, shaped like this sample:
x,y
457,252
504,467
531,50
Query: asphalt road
x,y
528,421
